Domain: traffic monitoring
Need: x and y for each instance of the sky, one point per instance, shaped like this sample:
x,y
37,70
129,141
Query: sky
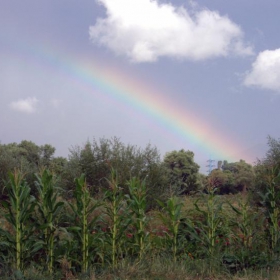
x,y
197,75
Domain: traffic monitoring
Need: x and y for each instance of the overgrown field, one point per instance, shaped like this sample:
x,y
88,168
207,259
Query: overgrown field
x,y
111,235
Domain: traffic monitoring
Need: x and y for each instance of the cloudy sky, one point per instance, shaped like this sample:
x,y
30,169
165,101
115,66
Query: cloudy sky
x,y
195,75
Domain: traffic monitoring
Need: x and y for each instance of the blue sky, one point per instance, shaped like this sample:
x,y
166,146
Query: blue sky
x,y
218,59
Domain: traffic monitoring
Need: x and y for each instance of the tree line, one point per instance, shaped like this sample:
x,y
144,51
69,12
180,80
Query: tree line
x,y
177,173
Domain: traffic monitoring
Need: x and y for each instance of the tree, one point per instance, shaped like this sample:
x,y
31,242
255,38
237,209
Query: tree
x,y
265,169
30,151
46,154
222,180
181,171
97,159
243,175
14,156
217,178
28,158
232,177
273,153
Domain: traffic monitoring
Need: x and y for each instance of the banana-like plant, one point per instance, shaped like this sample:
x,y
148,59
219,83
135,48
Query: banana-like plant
x,y
49,209
19,207
84,223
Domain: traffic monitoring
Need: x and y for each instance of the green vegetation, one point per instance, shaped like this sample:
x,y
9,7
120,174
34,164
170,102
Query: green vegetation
x,y
138,205
117,219
49,209
20,206
81,218
113,211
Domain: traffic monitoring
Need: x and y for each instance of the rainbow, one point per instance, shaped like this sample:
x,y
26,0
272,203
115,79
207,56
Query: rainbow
x,y
172,120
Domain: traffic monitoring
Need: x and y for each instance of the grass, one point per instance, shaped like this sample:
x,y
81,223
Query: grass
x,y
158,269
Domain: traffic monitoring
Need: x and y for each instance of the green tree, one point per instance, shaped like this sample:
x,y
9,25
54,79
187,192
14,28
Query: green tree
x,y
46,155
28,158
217,178
181,171
273,153
243,174
265,166
13,156
96,160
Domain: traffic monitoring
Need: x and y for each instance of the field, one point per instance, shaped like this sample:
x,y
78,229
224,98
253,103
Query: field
x,y
204,236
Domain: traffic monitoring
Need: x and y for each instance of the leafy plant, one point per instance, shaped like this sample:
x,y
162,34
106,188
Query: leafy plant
x,y
137,205
246,238
211,224
84,224
20,207
244,223
171,217
270,200
49,209
117,218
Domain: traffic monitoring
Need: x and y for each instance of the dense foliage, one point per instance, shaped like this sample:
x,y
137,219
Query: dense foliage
x,y
177,173
97,159
182,171
97,209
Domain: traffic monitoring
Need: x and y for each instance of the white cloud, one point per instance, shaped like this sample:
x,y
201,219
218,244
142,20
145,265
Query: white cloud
x,y
144,30
27,105
265,72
